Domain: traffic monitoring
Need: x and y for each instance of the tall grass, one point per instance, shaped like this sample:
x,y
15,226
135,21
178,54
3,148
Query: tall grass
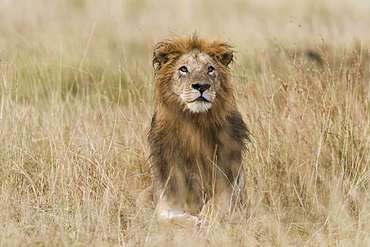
x,y
76,100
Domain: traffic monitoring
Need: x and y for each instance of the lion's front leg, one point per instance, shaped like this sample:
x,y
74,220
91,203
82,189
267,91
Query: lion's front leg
x,y
217,206
170,197
224,200
171,212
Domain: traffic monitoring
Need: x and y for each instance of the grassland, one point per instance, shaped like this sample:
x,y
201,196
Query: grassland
x,y
76,86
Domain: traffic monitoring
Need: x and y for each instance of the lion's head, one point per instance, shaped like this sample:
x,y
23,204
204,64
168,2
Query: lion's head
x,y
193,73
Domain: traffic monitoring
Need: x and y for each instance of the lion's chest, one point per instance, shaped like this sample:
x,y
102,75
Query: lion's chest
x,y
198,154
198,150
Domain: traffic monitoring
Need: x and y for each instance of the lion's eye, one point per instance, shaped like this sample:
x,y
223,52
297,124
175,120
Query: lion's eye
x,y
211,69
184,69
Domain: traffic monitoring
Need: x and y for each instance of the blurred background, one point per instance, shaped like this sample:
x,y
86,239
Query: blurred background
x,y
116,29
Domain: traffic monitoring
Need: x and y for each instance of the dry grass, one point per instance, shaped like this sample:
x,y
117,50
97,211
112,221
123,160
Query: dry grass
x,y
75,107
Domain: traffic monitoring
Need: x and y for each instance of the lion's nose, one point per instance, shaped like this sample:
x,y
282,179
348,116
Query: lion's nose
x,y
201,87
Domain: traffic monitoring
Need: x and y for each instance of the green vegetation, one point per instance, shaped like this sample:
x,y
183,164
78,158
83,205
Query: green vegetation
x,y
76,85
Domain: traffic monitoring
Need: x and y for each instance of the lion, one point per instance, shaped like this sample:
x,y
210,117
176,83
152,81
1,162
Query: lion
x,y
197,135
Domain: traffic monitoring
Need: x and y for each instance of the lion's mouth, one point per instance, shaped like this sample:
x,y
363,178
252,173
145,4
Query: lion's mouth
x,y
200,104
201,98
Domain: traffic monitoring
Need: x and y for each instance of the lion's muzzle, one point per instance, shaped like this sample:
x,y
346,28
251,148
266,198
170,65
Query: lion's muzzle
x,y
201,98
201,88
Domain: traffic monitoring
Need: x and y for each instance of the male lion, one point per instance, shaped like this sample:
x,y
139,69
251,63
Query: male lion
x,y
197,135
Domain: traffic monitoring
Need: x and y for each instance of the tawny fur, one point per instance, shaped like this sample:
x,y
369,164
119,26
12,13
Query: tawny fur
x,y
197,136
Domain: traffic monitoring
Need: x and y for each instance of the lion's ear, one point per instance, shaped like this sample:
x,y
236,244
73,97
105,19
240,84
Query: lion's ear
x,y
226,54
160,54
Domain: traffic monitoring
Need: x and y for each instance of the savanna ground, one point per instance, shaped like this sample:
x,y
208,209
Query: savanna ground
x,y
76,100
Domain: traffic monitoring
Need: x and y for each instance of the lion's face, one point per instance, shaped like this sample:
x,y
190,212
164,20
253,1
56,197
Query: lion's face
x,y
195,81
192,75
